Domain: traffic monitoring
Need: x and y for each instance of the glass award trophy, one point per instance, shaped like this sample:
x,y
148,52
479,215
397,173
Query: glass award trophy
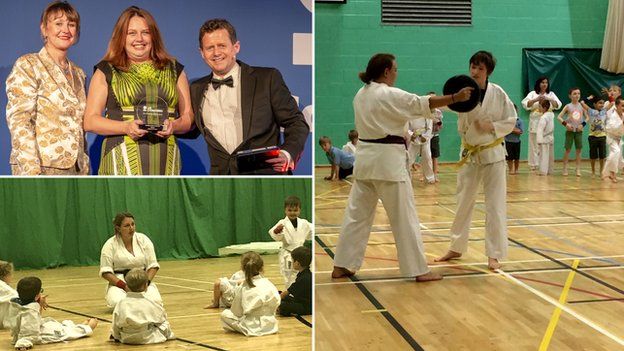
x,y
153,114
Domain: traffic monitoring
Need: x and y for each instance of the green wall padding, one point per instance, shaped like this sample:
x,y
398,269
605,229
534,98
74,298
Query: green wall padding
x,y
62,221
347,35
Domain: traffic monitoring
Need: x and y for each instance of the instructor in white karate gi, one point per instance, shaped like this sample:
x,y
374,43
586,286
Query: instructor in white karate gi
x,y
122,252
381,171
482,132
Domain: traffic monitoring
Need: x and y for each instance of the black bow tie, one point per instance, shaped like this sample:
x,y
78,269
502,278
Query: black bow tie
x,y
216,83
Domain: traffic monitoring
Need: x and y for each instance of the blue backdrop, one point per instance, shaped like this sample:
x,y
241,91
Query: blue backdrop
x,y
266,30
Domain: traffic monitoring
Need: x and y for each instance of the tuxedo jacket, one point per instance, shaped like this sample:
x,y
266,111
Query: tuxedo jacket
x,y
266,105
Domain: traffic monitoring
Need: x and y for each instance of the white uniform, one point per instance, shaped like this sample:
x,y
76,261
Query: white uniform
x,y
488,166
30,329
291,239
349,148
534,116
139,320
422,127
6,294
253,309
382,172
115,257
546,140
615,129
228,287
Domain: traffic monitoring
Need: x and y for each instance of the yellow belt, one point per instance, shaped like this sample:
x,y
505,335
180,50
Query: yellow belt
x,y
469,150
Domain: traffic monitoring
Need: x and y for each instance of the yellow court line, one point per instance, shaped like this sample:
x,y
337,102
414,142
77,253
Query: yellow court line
x,y
375,311
554,319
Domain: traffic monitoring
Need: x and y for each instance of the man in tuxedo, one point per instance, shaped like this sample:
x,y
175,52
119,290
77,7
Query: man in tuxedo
x,y
240,107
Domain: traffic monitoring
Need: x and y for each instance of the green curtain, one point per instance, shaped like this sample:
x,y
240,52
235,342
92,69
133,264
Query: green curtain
x,y
53,222
567,68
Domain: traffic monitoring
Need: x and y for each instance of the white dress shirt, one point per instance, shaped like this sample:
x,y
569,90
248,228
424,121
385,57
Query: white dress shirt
x,y
222,112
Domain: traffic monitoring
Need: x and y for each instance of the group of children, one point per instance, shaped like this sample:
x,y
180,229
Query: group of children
x,y
251,301
604,119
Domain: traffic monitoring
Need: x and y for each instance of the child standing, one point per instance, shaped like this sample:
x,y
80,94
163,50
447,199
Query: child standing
x,y
545,140
340,161
419,136
434,143
615,130
512,144
7,293
351,146
255,302
30,329
597,136
574,124
298,298
138,320
292,231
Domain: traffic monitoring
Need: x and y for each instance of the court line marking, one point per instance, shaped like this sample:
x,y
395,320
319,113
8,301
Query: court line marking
x,y
508,226
186,280
596,300
183,287
477,275
374,311
371,298
323,226
484,263
570,311
554,319
597,280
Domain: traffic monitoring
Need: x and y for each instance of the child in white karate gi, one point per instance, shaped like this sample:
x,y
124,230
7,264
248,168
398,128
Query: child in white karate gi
x,y
482,131
30,329
545,139
351,146
7,293
137,319
223,289
419,135
292,231
255,302
615,131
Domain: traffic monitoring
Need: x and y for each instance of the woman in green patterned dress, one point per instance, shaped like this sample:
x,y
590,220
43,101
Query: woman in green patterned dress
x,y
138,78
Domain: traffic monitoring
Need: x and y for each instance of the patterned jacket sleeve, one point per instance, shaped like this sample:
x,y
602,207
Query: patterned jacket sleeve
x,y
21,89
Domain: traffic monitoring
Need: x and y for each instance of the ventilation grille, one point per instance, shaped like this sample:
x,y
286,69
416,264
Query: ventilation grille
x,y
427,12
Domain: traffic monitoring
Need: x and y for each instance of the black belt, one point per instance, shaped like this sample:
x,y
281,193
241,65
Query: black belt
x,y
124,272
388,139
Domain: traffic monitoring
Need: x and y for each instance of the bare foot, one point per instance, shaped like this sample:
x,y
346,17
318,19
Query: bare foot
x,y
341,272
212,305
428,277
449,256
493,264
92,322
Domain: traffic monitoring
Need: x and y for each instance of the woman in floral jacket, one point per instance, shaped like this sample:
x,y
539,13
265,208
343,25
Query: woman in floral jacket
x,y
46,101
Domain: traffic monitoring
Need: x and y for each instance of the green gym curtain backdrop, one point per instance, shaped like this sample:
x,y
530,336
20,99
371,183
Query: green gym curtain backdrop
x,y
53,222
567,68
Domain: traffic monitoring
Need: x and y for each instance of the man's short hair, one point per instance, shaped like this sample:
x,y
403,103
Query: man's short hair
x,y
28,288
136,280
292,201
324,140
486,58
215,24
303,255
545,104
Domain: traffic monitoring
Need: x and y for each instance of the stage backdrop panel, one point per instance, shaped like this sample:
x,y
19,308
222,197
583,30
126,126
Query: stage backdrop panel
x,y
63,221
272,34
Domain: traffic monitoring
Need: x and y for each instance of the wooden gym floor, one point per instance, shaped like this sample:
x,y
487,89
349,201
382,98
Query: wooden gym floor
x,y
185,286
539,301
